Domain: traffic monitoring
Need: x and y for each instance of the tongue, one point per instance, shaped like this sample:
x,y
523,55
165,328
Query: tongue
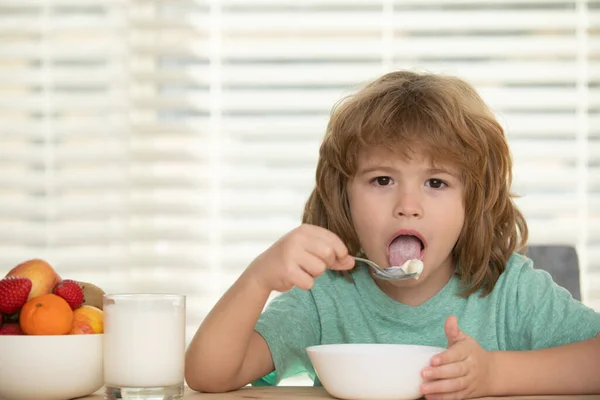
x,y
404,248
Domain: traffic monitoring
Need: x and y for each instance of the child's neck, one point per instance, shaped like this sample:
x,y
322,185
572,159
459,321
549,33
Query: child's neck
x,y
417,294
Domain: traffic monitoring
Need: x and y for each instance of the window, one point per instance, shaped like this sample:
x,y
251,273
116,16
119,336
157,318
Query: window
x,y
160,145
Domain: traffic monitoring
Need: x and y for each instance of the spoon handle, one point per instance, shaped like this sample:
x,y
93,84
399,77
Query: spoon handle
x,y
369,263
398,273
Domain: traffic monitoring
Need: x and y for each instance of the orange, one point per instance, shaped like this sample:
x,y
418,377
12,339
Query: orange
x,y
47,314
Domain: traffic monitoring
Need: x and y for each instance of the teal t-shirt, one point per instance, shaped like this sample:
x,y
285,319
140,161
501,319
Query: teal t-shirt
x,y
526,310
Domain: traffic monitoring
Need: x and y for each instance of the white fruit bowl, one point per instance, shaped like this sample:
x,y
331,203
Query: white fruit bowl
x,y
371,371
50,367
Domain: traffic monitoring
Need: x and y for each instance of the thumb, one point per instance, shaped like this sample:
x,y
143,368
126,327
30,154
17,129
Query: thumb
x,y
453,332
342,264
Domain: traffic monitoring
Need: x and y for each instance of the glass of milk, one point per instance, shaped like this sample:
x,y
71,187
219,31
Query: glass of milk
x,y
144,346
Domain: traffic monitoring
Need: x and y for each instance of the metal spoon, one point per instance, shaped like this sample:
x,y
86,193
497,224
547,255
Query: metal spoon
x,y
393,273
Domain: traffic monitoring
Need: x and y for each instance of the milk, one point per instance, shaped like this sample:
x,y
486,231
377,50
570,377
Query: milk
x,y
144,341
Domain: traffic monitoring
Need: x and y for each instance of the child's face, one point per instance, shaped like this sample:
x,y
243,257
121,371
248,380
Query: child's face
x,y
389,195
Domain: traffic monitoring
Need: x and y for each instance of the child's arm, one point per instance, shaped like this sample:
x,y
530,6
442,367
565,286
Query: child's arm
x,y
226,353
466,370
570,369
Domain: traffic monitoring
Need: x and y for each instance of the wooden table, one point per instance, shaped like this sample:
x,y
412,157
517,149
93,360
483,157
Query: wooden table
x,y
307,392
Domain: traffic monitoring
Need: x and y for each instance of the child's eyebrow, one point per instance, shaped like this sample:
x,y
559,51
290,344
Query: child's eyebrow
x,y
378,168
438,170
381,168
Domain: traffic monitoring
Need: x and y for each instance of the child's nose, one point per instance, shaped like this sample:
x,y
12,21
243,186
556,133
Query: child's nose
x,y
409,205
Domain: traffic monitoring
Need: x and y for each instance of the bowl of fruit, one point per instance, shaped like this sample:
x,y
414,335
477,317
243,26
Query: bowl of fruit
x,y
51,332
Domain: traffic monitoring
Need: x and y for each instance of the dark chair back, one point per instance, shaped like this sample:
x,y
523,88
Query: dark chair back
x,y
562,264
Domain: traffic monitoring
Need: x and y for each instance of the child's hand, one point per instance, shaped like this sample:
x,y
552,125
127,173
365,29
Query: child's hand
x,y
299,257
462,371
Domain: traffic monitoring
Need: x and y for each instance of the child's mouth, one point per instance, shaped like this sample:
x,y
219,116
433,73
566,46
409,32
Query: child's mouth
x,y
404,247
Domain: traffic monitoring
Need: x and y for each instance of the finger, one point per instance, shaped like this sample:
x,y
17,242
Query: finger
x,y
343,265
327,253
447,371
340,249
322,250
454,354
444,386
453,332
311,264
302,280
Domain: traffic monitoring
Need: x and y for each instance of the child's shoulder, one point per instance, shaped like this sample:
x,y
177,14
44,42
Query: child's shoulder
x,y
522,274
518,263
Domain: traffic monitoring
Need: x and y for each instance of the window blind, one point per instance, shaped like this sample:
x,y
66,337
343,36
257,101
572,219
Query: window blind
x,y
161,145
65,150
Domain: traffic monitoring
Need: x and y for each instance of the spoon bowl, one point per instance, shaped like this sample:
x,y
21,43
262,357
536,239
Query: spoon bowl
x,y
393,273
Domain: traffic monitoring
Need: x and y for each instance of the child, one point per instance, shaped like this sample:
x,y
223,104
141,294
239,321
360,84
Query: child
x,y
413,166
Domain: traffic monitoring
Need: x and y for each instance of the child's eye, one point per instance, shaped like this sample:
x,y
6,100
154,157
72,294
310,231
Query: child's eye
x,y
435,183
382,180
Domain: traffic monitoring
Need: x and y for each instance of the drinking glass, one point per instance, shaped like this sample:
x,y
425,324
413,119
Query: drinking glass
x,y
144,346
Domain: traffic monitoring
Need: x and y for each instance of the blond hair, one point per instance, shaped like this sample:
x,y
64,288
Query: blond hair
x,y
444,117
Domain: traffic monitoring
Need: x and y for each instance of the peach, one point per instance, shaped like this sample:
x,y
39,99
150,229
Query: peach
x,y
43,277
87,320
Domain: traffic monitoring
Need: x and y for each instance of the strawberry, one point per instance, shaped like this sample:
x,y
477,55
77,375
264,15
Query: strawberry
x,y
11,329
70,291
14,291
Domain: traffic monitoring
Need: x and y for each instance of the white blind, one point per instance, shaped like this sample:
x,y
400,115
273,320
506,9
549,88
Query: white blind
x,y
65,151
591,126
161,145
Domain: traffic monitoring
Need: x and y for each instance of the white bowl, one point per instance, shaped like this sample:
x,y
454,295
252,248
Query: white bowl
x,y
50,367
371,371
